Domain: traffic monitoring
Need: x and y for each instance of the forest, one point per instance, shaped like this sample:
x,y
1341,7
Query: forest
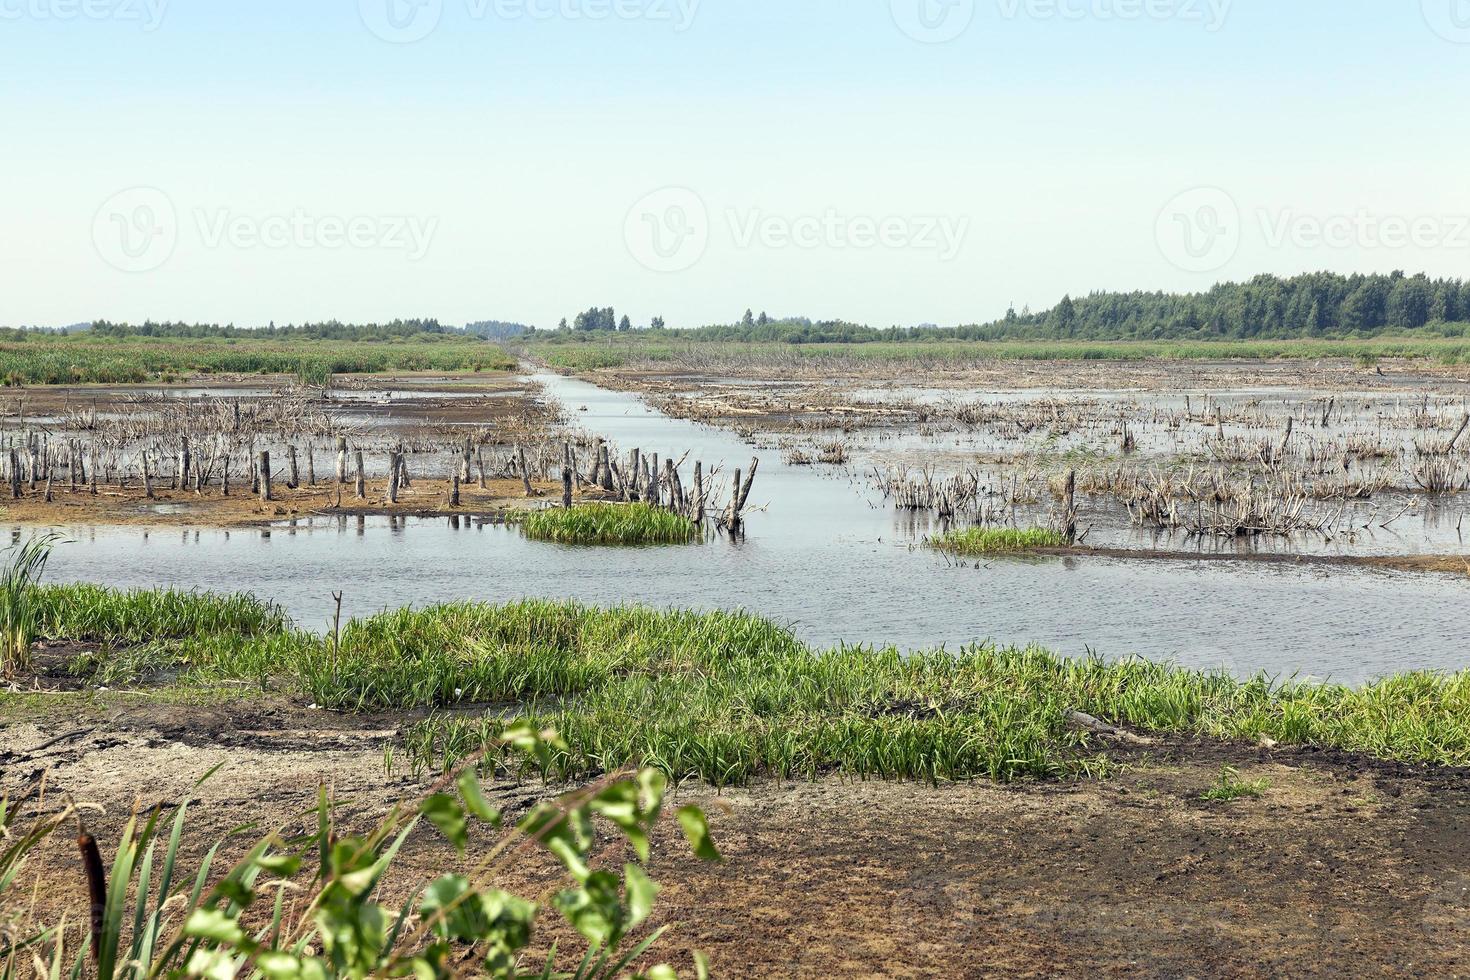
x,y
1267,307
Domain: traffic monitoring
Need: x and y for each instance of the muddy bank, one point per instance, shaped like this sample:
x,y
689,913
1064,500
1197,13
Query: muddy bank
x,y
1436,564
803,394
1344,866
183,508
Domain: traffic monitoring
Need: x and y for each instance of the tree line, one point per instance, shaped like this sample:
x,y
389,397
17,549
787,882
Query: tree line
x,y
1320,304
1267,307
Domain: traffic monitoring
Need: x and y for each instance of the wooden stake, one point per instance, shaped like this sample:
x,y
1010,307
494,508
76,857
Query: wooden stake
x,y
265,476
525,473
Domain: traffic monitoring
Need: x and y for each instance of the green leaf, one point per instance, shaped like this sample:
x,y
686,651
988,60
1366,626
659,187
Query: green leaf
x,y
213,926
653,785
619,804
212,963
596,909
453,908
641,892
474,799
283,966
661,972
280,865
570,858
445,813
701,966
696,829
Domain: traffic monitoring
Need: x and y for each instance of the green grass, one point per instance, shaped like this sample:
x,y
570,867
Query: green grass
x,y
83,359
730,697
588,352
609,524
973,542
1231,788
91,613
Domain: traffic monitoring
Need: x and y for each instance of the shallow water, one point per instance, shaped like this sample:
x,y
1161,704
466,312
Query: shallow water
x,y
825,556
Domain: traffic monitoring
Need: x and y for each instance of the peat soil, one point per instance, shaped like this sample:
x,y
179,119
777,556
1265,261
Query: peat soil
x,y
1344,866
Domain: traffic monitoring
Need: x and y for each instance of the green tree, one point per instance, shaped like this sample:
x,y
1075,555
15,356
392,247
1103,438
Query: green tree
x,y
1064,318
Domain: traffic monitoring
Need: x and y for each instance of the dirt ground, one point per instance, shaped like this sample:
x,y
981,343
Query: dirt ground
x,y
1344,867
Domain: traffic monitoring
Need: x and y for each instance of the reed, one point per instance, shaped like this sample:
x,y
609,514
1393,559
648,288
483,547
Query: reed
x,y
20,612
610,524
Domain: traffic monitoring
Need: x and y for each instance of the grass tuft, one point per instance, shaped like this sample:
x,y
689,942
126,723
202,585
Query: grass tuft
x,y
1231,788
977,541
610,524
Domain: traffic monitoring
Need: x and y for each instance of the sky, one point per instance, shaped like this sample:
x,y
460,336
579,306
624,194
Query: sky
x,y
880,161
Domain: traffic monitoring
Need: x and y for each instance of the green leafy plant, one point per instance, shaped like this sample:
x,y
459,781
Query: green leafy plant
x,y
1231,787
142,926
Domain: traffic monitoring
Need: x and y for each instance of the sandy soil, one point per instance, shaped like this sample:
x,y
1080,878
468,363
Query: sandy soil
x,y
1345,867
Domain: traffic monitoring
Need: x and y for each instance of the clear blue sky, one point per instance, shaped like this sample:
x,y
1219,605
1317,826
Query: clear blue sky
x,y
494,167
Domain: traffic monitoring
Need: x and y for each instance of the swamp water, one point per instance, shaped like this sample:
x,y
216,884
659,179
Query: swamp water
x,y
826,556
